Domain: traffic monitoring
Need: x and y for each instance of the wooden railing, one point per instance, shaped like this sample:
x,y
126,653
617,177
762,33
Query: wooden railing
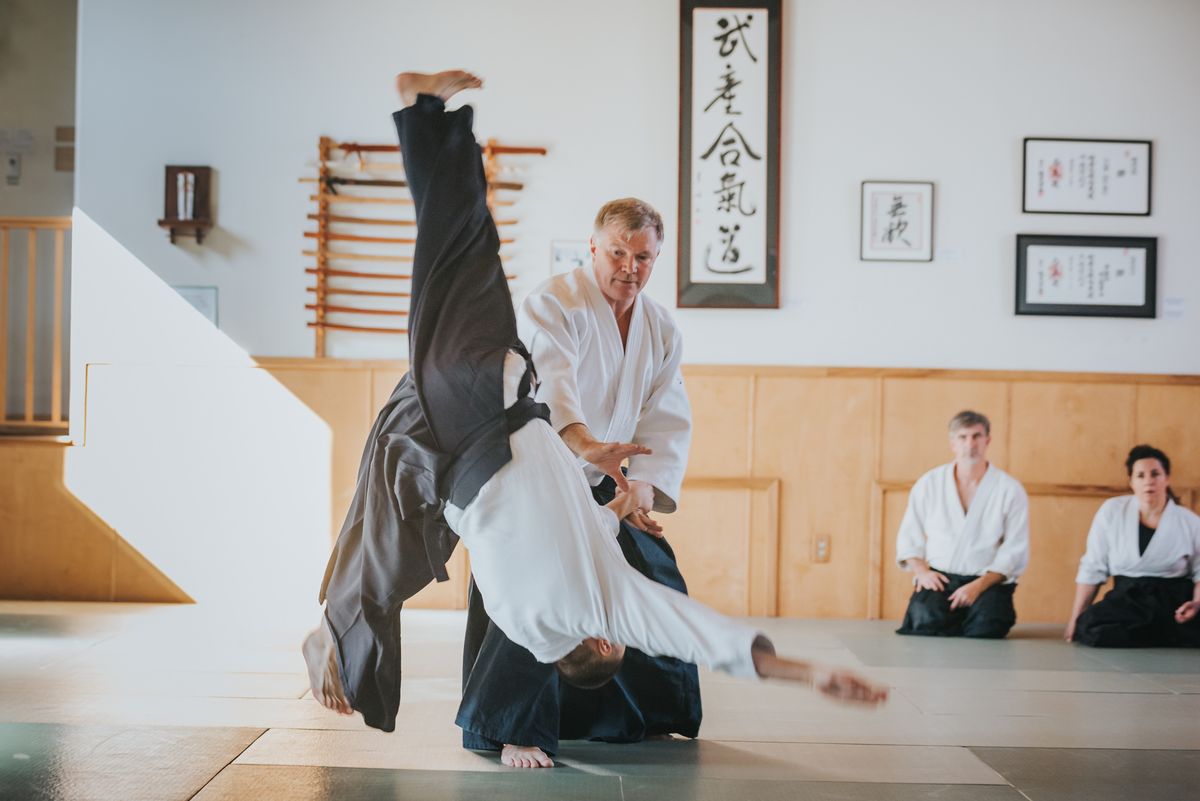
x,y
13,232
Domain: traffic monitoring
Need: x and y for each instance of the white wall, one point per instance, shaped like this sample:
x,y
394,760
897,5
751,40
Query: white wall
x,y
919,89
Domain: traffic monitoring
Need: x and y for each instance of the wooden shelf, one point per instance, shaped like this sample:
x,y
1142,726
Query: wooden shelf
x,y
196,228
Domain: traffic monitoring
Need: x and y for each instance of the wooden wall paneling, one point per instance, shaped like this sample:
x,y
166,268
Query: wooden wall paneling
x,y
450,594
721,424
53,547
814,435
1058,528
136,580
1168,417
764,548
896,583
713,539
383,381
338,397
915,414
1071,433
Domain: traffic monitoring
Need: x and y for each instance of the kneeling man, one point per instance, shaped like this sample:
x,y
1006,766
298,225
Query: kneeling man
x,y
965,538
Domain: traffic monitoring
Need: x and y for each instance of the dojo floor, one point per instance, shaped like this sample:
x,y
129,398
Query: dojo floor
x,y
126,702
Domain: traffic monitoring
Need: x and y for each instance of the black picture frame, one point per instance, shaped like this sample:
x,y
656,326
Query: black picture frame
x,y
1149,185
1149,306
763,295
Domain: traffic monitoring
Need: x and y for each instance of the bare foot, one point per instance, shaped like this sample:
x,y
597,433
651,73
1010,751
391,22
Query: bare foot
x,y
653,738
323,671
522,756
440,84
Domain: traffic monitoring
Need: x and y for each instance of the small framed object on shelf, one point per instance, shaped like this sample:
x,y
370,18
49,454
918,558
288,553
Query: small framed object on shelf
x,y
1086,276
1087,176
897,221
187,206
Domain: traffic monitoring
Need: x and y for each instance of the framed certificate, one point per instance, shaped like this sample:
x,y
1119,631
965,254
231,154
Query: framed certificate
x,y
897,221
1087,176
729,153
1086,276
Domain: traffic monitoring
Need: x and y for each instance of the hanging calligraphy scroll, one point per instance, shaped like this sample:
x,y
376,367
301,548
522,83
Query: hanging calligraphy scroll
x,y
729,153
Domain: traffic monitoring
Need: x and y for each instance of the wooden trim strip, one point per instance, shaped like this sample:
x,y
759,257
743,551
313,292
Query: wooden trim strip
x,y
338,254
30,325
784,371
340,327
352,310
340,218
1061,490
352,274
35,222
368,292
3,324
56,388
384,239
513,150
349,200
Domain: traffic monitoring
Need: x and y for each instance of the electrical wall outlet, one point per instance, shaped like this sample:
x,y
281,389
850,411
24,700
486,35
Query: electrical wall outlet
x,y
12,169
821,548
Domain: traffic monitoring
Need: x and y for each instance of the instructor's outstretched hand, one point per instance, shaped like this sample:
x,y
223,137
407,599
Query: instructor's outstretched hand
x,y
607,457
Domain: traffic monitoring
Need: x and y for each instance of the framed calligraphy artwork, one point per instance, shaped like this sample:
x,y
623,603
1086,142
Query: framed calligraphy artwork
x,y
729,153
897,221
1086,276
1087,176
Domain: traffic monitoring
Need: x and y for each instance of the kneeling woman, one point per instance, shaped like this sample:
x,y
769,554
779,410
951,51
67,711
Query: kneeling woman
x,y
1150,545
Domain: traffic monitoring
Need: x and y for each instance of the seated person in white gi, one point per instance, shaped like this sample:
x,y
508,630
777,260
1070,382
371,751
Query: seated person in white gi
x,y
965,537
1150,545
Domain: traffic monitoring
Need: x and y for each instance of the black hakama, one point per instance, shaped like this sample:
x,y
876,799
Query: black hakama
x,y
990,617
1139,612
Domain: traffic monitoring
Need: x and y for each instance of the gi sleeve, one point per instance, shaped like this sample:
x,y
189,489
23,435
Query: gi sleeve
x,y
554,343
1094,566
665,426
662,622
910,539
1194,528
1013,554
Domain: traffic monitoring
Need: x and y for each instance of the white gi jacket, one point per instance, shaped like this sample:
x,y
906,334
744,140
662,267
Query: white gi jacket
x,y
547,560
630,393
993,535
1112,544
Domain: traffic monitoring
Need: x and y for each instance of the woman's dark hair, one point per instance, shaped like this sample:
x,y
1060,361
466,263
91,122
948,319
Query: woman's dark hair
x,y
1140,452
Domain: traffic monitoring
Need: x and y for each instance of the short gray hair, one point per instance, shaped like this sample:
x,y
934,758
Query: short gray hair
x,y
967,419
630,214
